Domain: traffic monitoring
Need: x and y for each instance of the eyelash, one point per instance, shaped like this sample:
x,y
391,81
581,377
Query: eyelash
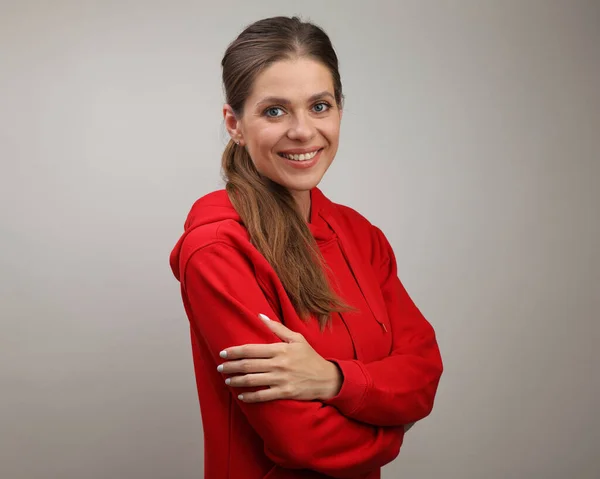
x,y
327,105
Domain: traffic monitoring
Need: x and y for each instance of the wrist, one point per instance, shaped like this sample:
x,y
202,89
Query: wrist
x,y
333,381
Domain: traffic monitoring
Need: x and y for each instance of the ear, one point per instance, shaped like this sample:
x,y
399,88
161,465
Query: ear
x,y
233,125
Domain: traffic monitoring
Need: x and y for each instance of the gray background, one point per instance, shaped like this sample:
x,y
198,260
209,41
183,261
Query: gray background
x,y
470,136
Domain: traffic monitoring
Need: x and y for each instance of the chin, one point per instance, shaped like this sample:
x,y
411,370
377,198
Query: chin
x,y
304,185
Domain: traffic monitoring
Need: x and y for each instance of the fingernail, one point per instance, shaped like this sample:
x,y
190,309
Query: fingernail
x,y
223,354
228,381
241,397
220,368
263,317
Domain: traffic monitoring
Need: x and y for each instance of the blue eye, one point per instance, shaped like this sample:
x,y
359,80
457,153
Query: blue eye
x,y
321,107
272,111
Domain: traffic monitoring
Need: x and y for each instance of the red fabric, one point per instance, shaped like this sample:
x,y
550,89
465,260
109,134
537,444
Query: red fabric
x,y
387,351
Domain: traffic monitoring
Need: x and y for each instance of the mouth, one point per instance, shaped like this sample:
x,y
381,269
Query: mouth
x,y
300,157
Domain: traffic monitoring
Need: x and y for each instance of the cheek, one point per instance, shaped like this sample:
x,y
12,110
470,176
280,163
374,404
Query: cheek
x,y
266,138
331,130
333,137
261,145
268,135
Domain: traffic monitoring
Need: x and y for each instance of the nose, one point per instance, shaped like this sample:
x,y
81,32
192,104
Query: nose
x,y
302,128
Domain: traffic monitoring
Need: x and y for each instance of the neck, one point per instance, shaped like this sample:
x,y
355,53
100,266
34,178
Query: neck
x,y
302,199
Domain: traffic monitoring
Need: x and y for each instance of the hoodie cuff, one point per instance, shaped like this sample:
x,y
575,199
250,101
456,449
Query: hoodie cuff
x,y
354,387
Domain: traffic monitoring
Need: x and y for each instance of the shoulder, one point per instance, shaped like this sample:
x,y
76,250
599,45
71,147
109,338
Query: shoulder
x,y
220,250
352,218
364,235
213,226
223,235
353,222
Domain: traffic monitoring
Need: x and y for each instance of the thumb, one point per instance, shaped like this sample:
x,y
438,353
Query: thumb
x,y
280,330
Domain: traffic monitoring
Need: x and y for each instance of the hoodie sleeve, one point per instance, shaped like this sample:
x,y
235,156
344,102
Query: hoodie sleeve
x,y
399,389
223,299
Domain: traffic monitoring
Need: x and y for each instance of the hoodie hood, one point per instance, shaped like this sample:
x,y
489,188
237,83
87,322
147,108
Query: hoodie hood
x,y
216,207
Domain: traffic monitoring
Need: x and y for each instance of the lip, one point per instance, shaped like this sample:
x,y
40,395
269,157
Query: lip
x,y
302,165
300,151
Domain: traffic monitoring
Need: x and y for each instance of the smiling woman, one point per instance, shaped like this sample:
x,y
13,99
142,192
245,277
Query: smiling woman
x,y
311,359
295,124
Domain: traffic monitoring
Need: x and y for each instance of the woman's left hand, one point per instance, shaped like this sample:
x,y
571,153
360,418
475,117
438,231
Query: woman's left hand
x,y
291,369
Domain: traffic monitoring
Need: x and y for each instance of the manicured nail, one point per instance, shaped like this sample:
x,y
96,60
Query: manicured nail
x,y
223,354
241,397
263,317
220,368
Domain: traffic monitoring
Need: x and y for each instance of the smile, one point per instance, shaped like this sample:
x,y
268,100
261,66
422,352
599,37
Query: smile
x,y
300,157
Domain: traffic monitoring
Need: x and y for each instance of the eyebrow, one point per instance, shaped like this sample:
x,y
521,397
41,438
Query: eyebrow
x,y
285,101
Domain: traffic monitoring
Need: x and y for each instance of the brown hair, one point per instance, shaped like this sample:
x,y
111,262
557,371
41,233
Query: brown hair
x,y
267,209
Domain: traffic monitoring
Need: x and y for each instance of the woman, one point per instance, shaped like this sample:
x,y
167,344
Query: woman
x,y
310,358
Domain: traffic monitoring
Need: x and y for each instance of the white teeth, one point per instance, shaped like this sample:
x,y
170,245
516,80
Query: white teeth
x,y
303,157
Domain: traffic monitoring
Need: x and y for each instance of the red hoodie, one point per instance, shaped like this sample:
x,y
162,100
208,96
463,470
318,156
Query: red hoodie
x,y
387,351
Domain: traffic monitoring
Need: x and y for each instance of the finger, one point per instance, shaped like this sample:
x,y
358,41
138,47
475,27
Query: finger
x,y
264,395
246,366
251,380
265,351
281,330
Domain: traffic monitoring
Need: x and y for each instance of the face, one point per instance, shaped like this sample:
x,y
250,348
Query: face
x,y
291,123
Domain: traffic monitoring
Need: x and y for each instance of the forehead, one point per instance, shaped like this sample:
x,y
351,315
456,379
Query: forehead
x,y
295,80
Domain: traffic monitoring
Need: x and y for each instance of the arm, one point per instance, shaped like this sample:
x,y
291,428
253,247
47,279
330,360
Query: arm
x,y
399,389
224,300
